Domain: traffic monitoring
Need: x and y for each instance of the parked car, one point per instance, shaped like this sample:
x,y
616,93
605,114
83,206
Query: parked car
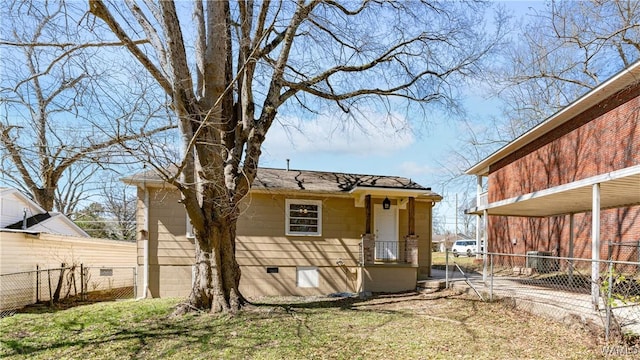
x,y
467,247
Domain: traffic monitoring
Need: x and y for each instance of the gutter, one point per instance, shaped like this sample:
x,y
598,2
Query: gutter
x,y
144,232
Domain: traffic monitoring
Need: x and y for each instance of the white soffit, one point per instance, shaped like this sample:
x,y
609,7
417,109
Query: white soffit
x,y
619,188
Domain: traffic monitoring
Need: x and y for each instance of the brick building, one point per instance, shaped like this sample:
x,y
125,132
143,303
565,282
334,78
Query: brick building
x,y
570,185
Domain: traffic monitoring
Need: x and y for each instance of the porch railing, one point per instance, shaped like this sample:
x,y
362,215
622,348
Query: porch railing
x,y
390,251
403,251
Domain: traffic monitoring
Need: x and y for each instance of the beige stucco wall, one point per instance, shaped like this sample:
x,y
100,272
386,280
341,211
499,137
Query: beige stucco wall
x,y
262,243
387,278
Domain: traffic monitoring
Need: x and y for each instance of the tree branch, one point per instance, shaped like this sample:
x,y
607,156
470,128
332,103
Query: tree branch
x,y
99,10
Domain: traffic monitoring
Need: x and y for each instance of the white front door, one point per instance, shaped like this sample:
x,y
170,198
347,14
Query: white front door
x,y
386,230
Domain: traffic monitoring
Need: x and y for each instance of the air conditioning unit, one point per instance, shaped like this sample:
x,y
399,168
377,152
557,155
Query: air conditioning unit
x,y
541,264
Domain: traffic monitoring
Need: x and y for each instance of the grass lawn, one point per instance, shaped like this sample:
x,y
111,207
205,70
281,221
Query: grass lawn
x,y
438,259
410,326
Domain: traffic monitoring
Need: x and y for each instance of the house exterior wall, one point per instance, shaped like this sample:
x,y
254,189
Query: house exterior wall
x,y
12,207
387,279
602,139
269,259
22,252
57,225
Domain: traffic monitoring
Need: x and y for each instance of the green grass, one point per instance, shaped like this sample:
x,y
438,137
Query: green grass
x,y
413,326
438,259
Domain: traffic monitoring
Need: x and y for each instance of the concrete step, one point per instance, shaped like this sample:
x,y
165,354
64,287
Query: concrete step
x,y
432,284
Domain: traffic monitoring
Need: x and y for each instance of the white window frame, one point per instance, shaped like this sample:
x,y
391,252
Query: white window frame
x,y
287,223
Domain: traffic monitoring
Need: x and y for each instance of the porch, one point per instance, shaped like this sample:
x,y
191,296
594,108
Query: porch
x,y
388,262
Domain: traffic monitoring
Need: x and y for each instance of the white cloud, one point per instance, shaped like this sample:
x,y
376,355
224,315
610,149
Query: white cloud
x,y
371,134
413,169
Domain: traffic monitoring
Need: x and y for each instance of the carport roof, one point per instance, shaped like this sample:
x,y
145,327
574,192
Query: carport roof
x,y
617,189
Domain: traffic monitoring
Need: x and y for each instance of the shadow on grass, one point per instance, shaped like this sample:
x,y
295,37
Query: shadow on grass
x,y
129,340
346,302
263,325
44,307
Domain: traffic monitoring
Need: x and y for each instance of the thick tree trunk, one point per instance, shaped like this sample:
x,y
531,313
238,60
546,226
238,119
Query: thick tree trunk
x,y
216,273
45,197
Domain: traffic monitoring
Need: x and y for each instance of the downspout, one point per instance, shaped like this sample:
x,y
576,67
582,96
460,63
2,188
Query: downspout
x,y
145,246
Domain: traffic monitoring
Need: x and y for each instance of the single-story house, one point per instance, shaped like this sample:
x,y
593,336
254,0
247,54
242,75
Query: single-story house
x,y
18,212
32,238
571,184
300,233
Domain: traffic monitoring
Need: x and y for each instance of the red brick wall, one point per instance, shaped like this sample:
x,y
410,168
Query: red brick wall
x,y
602,139
552,234
607,143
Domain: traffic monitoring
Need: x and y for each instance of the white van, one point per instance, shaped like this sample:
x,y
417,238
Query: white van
x,y
466,247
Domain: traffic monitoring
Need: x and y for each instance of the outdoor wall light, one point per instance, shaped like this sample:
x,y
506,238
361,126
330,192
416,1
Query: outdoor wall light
x,y
386,203
514,241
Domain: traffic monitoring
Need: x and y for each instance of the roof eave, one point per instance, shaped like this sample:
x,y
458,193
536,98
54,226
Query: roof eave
x,y
386,191
144,182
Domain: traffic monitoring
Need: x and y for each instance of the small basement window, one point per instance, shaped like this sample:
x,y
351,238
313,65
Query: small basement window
x,y
307,277
304,217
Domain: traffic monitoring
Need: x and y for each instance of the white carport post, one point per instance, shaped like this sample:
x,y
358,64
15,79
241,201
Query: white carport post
x,y
571,239
478,197
485,227
595,244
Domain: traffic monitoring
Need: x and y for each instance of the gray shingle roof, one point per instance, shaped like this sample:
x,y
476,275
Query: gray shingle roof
x,y
313,181
327,181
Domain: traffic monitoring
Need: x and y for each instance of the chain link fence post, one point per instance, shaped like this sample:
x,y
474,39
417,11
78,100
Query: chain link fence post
x,y
609,300
446,268
37,284
135,282
491,279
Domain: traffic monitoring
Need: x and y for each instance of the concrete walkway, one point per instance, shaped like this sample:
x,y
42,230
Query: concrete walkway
x,y
554,303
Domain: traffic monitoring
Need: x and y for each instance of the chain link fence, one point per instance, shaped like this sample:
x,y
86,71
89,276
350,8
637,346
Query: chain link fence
x,y
65,285
603,292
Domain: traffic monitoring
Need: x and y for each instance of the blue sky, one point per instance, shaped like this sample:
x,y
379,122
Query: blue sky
x,y
397,147
388,150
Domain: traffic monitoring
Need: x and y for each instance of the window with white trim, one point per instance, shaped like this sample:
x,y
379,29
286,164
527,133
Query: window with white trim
x,y
304,217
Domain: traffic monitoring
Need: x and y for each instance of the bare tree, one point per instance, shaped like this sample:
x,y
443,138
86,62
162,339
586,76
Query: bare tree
x,y
111,218
64,112
120,210
250,59
563,52
91,219
556,54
